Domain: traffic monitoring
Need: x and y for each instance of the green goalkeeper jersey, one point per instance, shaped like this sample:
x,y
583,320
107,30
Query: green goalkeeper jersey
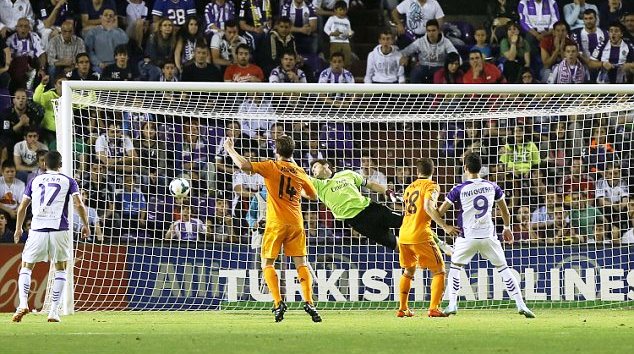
x,y
341,194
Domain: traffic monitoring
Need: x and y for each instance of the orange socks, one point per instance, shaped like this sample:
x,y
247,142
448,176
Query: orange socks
x,y
270,277
437,289
405,285
306,281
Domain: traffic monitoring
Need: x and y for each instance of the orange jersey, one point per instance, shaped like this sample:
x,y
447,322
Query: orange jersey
x,y
416,226
284,182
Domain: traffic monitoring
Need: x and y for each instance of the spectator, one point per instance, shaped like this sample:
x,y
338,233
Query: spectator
x,y
522,228
570,70
187,228
316,230
336,74
93,220
384,62
370,172
481,72
52,14
224,164
25,154
137,21
217,14
115,150
11,191
432,49
242,70
287,72
45,99
611,11
451,72
628,22
176,10
100,191
82,70
601,151
17,119
168,71
417,13
537,18
188,38
612,196
339,31
527,77
10,14
256,17
304,25
543,217
6,234
552,47
584,217
257,115
480,36
63,49
223,46
132,206
154,157
499,14
192,154
119,70
589,37
220,226
28,56
614,58
277,42
40,167
563,232
402,178
313,152
134,118
200,70
5,62
161,44
101,40
516,53
91,12
520,155
575,11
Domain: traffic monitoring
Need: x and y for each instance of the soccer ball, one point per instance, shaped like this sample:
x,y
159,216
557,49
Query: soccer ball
x,y
179,187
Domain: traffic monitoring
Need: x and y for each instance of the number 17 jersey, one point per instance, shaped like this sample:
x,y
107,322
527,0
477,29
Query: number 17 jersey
x,y
416,227
474,201
50,194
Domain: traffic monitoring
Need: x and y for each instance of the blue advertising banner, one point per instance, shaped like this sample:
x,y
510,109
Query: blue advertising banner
x,y
194,278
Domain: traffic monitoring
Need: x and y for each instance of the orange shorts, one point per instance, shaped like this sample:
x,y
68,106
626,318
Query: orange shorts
x,y
292,237
423,255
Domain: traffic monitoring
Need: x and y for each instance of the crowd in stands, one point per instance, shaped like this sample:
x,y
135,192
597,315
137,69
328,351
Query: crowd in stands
x,y
567,178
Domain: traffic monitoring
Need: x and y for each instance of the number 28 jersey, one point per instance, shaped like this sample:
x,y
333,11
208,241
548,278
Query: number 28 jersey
x,y
284,182
474,201
416,227
50,194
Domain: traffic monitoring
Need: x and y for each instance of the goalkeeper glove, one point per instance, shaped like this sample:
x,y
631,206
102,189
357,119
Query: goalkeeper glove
x,y
389,193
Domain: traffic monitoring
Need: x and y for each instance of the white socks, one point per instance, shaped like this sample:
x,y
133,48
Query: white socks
x,y
453,284
58,289
512,287
24,286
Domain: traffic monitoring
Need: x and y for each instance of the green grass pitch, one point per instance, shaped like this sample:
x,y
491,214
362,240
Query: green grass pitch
x,y
371,331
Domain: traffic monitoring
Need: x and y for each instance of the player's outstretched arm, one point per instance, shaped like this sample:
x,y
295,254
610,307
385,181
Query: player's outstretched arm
x,y
378,188
432,211
83,214
506,217
20,215
238,159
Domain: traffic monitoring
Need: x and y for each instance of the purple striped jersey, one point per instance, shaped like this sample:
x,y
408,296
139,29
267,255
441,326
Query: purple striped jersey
x,y
588,42
50,194
218,14
191,230
474,201
299,15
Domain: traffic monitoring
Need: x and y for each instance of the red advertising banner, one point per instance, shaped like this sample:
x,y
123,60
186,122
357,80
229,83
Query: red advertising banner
x,y
101,278
10,262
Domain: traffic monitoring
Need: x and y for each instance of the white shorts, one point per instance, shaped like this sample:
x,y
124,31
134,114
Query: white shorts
x,y
40,245
466,248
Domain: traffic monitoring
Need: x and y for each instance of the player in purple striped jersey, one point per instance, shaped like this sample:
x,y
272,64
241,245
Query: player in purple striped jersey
x,y
474,199
50,235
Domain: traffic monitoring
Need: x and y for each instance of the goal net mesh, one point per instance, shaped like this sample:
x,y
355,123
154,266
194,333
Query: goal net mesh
x,y
563,160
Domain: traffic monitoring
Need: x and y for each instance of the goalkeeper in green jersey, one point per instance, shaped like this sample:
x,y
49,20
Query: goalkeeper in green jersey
x,y
340,192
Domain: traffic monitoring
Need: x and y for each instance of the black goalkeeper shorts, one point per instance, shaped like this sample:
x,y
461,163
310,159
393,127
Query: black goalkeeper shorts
x,y
376,223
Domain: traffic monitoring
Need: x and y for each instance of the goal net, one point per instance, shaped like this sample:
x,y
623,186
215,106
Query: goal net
x,y
562,155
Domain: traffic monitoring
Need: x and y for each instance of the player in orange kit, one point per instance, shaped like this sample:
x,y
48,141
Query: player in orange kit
x,y
416,242
286,183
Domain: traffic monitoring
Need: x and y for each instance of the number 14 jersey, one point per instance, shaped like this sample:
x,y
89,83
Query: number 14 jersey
x,y
416,226
50,194
474,199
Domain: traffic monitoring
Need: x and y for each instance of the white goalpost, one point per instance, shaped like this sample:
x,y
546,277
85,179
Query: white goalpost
x,y
561,153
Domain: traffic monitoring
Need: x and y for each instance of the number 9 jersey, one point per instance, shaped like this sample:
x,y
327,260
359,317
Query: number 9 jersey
x,y
416,226
474,201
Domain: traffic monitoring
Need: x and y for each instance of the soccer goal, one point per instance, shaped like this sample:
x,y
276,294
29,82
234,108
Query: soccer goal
x,y
562,154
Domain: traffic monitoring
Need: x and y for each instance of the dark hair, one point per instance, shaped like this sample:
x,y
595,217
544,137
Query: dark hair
x,y
284,146
337,54
231,23
425,166
53,160
619,25
201,45
168,61
290,52
283,20
386,31
31,129
476,51
564,23
321,162
451,57
60,76
121,49
243,46
473,162
341,5
79,55
590,11
432,22
40,153
8,164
